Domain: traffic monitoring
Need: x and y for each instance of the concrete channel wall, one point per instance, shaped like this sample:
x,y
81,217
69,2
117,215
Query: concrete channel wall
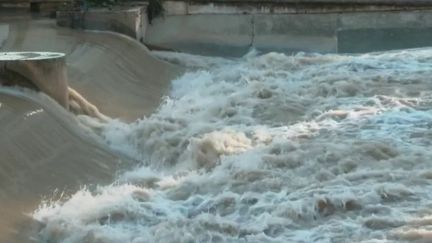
x,y
35,6
221,29
232,28
130,21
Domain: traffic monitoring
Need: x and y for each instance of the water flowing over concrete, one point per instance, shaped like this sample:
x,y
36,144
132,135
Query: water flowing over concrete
x,y
100,65
43,147
263,148
270,148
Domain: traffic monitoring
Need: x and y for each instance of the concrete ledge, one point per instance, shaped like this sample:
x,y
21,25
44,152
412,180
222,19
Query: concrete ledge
x,y
38,6
290,33
44,71
181,7
232,27
128,21
216,34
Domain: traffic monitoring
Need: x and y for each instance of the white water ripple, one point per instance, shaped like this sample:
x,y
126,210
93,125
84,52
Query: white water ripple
x,y
271,148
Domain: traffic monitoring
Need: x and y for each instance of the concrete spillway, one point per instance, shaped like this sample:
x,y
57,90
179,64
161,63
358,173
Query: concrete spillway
x,y
42,146
42,149
99,64
310,147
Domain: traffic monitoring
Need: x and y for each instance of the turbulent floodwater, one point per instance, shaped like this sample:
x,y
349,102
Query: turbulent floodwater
x,y
269,148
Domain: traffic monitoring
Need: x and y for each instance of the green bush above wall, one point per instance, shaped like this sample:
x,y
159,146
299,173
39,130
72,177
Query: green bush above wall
x,y
154,9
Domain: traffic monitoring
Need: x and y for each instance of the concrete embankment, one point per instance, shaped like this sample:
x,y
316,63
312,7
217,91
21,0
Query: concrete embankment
x,y
231,28
130,21
43,148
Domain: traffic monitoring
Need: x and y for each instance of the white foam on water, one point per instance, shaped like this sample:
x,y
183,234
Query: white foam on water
x,y
270,148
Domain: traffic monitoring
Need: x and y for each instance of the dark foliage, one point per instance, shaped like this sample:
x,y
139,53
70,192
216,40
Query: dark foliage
x,y
154,9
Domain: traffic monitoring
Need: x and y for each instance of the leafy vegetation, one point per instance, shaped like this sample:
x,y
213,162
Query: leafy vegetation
x,y
154,9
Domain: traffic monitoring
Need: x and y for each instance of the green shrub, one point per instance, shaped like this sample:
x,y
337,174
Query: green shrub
x,y
154,9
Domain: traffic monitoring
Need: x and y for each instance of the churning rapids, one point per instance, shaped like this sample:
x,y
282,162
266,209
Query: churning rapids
x,y
269,148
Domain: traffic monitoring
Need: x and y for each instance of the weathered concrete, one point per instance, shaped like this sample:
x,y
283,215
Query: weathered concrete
x,y
292,33
181,7
45,70
364,32
201,34
371,39
392,19
234,35
231,28
128,21
323,32
40,6
225,27
4,33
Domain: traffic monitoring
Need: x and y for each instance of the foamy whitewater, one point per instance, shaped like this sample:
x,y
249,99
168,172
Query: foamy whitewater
x,y
269,148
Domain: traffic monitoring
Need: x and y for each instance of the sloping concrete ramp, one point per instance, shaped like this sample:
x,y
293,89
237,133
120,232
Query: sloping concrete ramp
x,y
42,146
43,149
